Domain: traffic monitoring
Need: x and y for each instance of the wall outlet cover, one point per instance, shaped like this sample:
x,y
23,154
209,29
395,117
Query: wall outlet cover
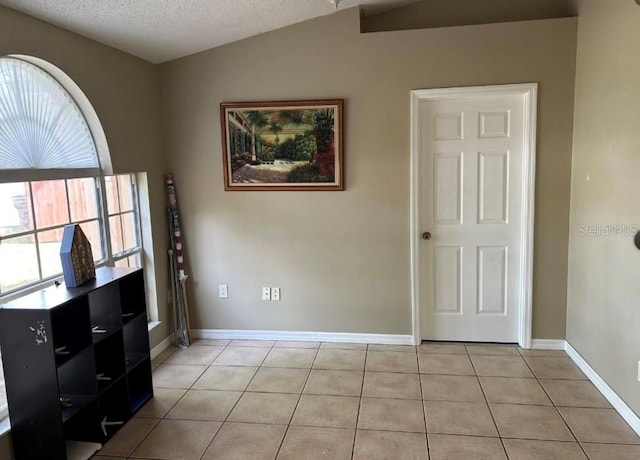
x,y
266,293
223,291
275,293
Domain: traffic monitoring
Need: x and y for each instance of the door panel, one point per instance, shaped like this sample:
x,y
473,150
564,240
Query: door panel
x,y
492,280
493,187
447,170
447,286
471,203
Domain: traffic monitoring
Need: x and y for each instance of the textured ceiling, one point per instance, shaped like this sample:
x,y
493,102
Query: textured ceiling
x,y
162,30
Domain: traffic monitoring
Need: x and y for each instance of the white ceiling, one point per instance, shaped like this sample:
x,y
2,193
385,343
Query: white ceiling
x,y
162,30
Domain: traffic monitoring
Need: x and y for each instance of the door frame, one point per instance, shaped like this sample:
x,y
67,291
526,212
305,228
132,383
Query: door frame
x,y
529,92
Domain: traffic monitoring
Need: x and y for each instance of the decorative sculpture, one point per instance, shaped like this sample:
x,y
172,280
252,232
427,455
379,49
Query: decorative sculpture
x,y
76,256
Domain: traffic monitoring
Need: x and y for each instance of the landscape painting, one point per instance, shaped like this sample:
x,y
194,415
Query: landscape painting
x,y
295,145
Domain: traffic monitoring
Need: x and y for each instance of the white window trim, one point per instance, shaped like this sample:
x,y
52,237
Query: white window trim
x,y
105,233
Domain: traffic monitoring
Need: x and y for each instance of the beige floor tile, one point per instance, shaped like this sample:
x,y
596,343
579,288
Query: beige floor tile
x,y
204,405
385,445
277,380
451,388
442,348
252,343
391,361
574,393
161,403
462,418
177,440
501,366
164,355
327,411
129,437
295,344
451,364
195,355
290,357
264,408
530,422
154,366
344,360
313,443
598,425
554,353
176,375
524,449
398,348
510,390
338,383
102,457
611,451
493,350
391,415
241,356
246,441
232,378
550,367
343,346
210,342
447,447
391,385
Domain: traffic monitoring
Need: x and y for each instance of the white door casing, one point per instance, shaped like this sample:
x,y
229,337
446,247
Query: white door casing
x,y
472,188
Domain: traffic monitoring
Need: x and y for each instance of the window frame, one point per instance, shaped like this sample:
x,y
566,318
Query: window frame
x,y
102,218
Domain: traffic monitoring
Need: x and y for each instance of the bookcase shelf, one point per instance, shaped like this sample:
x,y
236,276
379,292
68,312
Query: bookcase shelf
x,y
76,362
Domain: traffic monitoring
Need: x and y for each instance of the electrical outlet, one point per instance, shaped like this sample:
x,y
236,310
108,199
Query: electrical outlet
x,y
223,291
275,293
266,293
638,371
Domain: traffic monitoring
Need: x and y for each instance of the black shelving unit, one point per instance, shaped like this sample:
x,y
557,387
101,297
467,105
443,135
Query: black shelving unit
x,y
76,362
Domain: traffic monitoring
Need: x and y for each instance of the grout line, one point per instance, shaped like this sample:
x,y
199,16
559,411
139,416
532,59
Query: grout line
x,y
575,438
364,374
486,401
317,350
422,402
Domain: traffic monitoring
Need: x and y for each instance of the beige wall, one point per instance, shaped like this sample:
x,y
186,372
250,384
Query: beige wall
x,y
603,318
342,258
124,91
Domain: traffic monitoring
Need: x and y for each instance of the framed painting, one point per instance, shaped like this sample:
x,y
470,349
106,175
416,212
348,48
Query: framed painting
x,y
290,145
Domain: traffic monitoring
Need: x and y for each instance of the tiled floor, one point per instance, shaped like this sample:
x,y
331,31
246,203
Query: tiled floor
x,y
245,400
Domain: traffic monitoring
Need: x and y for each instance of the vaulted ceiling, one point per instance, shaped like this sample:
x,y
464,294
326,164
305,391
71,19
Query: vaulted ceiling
x,y
162,30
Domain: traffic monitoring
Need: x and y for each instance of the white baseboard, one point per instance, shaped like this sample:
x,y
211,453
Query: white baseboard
x,y
618,404
303,336
162,346
548,344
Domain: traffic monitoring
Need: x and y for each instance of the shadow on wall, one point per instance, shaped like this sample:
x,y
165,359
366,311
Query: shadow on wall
x,y
426,14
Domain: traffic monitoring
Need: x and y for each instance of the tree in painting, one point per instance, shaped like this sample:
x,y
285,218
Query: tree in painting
x,y
290,145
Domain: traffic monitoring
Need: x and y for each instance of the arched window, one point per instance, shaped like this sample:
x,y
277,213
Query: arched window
x,y
41,126
55,170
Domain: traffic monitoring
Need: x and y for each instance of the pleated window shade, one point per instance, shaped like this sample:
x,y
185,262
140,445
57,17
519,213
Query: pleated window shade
x,y
41,126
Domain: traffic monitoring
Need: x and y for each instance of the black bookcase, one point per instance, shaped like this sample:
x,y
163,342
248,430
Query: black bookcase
x,y
76,362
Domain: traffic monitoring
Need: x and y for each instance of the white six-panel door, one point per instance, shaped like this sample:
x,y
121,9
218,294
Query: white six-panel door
x,y
470,198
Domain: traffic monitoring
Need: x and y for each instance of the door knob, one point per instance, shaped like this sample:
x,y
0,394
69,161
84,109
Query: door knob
x,y
426,236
